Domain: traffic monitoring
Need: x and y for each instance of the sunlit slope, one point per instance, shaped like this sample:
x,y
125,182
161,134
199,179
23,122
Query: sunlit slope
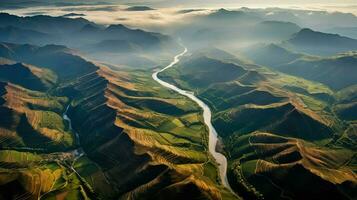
x,y
150,142
238,95
27,76
140,140
337,72
280,167
248,99
32,120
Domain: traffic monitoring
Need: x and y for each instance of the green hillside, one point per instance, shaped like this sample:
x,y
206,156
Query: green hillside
x,y
246,100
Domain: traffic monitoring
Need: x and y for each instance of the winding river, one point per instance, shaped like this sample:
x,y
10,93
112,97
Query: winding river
x,y
213,137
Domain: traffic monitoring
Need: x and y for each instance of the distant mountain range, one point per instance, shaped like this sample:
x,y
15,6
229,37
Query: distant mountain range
x,y
236,26
271,55
94,40
318,43
81,116
346,31
337,72
46,24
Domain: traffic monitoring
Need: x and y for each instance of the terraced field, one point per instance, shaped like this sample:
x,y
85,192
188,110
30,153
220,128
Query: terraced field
x,y
145,129
274,127
138,138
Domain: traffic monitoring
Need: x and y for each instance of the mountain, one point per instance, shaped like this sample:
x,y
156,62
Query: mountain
x,y
275,30
17,35
79,33
118,46
142,38
96,132
225,27
346,107
32,120
270,123
345,31
337,72
315,19
27,76
148,40
231,16
318,43
271,55
139,8
218,26
81,116
44,24
59,59
74,15
123,46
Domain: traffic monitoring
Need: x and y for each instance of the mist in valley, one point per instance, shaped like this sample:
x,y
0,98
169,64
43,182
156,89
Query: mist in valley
x,y
178,99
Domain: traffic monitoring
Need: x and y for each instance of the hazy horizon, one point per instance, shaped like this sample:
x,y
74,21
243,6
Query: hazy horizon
x,y
166,12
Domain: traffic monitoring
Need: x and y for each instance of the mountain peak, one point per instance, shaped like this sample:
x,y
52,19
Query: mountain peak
x,y
115,27
89,28
223,11
306,32
139,8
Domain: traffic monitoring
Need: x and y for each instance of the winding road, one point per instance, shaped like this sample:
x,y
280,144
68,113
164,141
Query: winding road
x,y
213,137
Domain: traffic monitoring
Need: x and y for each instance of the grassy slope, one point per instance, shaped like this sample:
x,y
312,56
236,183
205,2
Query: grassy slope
x,y
141,139
125,117
33,119
337,72
268,101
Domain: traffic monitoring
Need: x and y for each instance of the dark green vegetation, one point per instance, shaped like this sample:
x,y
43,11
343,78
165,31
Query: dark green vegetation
x,y
337,72
285,111
279,131
136,139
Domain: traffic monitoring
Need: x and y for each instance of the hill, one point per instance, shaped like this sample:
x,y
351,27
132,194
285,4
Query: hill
x,y
275,30
17,35
345,31
27,76
276,166
318,43
139,8
59,59
32,120
158,134
271,55
126,136
105,44
337,72
139,37
44,24
247,100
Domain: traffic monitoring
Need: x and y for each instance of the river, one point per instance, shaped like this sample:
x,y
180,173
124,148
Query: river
x,y
207,115
77,153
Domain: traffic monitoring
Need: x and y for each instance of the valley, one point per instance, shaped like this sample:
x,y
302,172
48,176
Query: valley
x,y
213,136
99,100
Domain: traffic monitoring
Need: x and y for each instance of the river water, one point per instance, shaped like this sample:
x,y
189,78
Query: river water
x,y
213,137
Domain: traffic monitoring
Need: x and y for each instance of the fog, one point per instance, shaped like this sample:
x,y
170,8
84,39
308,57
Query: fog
x,y
166,15
234,28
